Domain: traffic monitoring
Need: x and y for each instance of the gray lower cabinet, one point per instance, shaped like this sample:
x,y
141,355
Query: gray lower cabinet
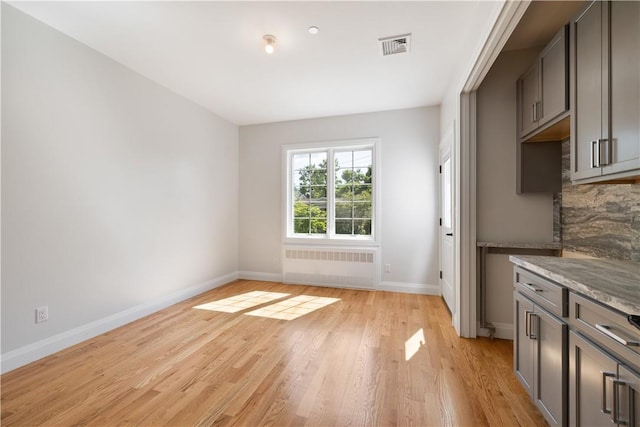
x,y
540,358
603,392
605,89
630,395
578,358
604,361
523,346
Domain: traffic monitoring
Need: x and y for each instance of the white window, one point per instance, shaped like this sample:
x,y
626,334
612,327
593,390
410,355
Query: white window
x,y
331,191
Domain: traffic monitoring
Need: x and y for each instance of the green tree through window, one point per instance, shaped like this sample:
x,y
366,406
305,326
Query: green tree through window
x,y
310,193
353,186
350,179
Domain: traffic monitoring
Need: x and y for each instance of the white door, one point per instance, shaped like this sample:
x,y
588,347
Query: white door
x,y
447,284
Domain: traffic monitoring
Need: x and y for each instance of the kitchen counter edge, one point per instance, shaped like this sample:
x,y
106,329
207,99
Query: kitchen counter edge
x,y
611,282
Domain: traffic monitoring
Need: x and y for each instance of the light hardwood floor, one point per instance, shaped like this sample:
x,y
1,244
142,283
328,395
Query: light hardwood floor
x,y
342,364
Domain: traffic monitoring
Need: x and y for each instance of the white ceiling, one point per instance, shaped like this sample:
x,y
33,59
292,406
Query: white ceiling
x,y
212,52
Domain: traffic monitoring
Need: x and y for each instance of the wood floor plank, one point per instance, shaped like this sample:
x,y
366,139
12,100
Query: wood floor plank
x,y
347,363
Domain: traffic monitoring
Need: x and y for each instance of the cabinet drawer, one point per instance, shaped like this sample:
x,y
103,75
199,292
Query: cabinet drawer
x,y
606,327
545,293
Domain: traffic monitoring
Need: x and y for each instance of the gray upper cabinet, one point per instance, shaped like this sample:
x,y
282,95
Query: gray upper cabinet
x,y
542,115
605,92
543,90
528,88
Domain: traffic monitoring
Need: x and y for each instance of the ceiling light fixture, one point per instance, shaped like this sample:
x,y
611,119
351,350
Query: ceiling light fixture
x,y
270,41
314,30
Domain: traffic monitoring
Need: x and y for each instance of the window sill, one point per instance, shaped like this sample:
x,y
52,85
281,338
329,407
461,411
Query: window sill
x,y
325,241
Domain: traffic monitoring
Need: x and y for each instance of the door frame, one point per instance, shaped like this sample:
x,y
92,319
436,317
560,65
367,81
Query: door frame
x,y
464,151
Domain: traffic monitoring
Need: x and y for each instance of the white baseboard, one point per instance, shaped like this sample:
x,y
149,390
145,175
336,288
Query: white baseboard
x,y
503,331
409,288
256,275
29,353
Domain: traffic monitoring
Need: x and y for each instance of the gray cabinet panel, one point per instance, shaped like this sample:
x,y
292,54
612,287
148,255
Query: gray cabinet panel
x,y
539,167
523,347
551,368
554,91
600,325
590,387
628,397
540,355
624,100
605,91
586,38
543,89
529,97
542,113
543,292
586,373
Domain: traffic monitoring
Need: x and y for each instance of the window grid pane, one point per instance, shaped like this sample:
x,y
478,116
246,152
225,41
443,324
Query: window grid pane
x,y
353,192
347,208
309,192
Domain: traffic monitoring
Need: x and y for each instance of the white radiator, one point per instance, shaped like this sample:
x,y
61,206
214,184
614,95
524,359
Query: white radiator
x,y
340,267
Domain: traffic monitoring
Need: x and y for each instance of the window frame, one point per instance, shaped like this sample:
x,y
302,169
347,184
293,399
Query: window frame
x,y
331,147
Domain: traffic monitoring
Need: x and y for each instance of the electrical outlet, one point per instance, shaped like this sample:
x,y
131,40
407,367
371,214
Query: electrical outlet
x,y
42,314
387,268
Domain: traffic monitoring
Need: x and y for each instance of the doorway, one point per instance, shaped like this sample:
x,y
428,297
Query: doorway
x,y
447,282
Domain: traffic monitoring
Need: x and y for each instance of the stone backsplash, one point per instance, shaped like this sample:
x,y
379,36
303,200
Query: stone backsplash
x,y
601,220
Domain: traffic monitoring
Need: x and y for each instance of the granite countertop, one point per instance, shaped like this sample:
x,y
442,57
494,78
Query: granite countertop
x,y
611,282
519,245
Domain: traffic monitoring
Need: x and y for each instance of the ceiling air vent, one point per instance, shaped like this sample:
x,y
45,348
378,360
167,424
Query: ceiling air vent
x,y
395,44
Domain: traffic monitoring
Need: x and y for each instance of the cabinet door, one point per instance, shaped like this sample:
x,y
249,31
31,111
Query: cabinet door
x,y
551,367
587,90
523,346
528,87
590,388
554,90
628,397
624,95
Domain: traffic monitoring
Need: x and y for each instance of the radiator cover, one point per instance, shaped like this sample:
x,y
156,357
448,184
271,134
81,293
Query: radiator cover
x,y
331,266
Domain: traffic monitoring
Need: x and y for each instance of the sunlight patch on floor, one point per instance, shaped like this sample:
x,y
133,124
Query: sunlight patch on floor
x,y
413,344
241,302
293,308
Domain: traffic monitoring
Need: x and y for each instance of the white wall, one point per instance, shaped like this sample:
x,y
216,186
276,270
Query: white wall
x,y
449,109
503,215
409,156
116,193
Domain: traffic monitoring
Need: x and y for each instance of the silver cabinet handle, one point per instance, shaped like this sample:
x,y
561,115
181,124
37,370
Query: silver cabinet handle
x,y
595,154
615,409
533,112
603,402
531,287
607,331
533,335
527,323
604,142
